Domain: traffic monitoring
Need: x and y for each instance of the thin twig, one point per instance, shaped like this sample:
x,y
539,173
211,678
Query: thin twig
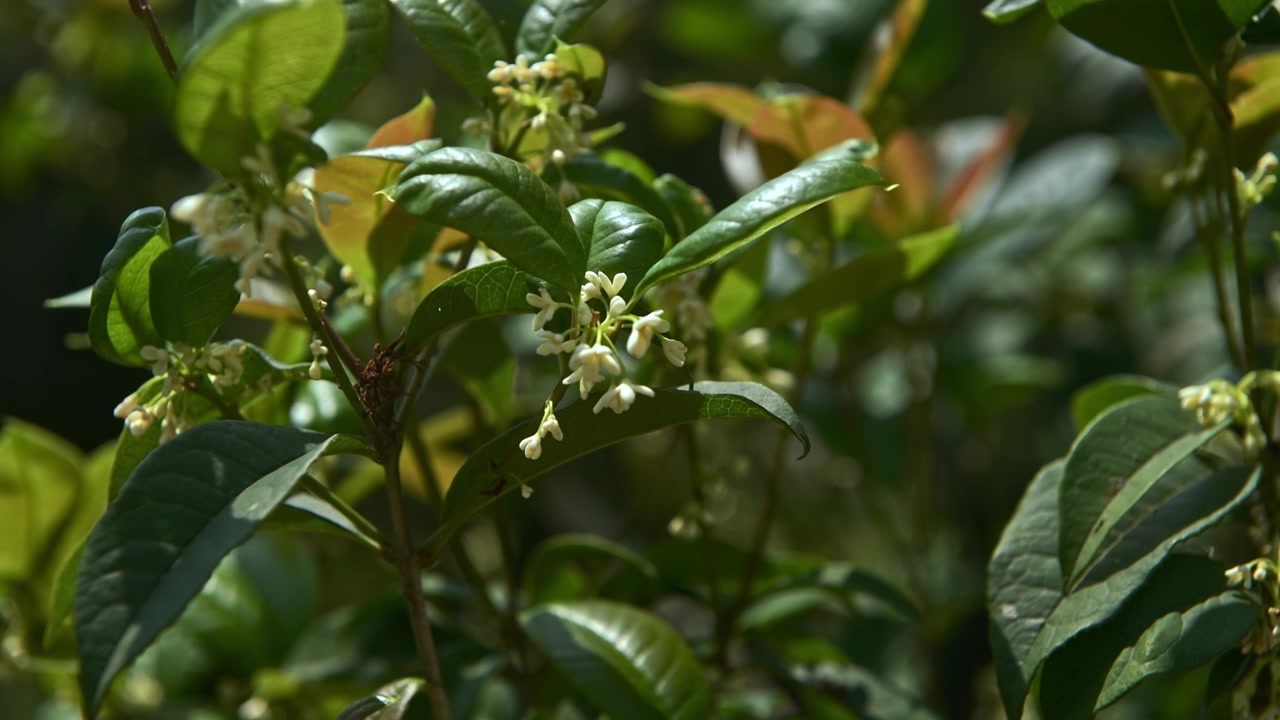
x,y
143,11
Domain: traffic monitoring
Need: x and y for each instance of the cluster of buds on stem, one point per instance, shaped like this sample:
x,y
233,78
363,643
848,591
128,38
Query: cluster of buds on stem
x,y
545,98
221,363
1253,189
1219,401
1260,576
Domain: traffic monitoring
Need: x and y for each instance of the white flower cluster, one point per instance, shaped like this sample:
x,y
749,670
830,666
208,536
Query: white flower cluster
x,y
593,358
682,299
222,363
542,97
1220,400
1260,575
1253,189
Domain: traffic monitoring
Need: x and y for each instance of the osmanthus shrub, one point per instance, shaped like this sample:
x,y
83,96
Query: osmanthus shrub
x,y
420,246
1106,574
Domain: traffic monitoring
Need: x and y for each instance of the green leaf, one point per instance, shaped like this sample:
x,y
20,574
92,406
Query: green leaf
x,y
62,596
1072,683
596,178
81,298
1096,398
1181,641
501,203
844,581
120,321
758,212
487,290
391,702
1006,11
40,484
258,59
461,37
499,467
480,360
619,237
587,65
865,277
577,566
548,20
688,204
1175,35
1094,604
1114,463
739,289
207,14
368,25
182,510
629,663
192,295
1024,585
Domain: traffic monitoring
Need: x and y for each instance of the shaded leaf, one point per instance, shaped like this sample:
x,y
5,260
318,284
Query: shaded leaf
x,y
758,212
548,20
461,37
120,321
729,102
141,567
368,24
1093,399
486,290
619,237
595,178
864,277
500,203
192,294
576,566
479,358
689,205
627,662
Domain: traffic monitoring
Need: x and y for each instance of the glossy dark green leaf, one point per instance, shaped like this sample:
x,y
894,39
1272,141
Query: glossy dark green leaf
x,y
1095,398
548,20
1175,35
215,484
1024,585
461,37
864,277
1073,682
620,238
629,663
120,322
596,178
192,295
689,206
1116,461
499,466
575,566
368,27
391,702
501,203
258,59
758,212
1006,11
487,290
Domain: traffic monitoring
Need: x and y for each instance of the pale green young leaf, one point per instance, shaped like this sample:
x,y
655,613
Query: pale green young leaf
x,y
1117,460
215,483
487,290
1006,11
865,277
120,322
368,24
620,238
548,20
758,212
501,203
629,663
192,295
258,59
40,483
461,37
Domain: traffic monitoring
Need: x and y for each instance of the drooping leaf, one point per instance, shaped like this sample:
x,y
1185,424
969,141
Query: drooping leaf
x,y
574,567
192,295
501,203
1175,35
1117,460
595,178
368,25
120,321
76,299
619,237
689,205
626,661
461,37
758,212
548,20
483,291
499,466
1096,398
259,59
1006,11
216,483
865,277
729,102
1024,585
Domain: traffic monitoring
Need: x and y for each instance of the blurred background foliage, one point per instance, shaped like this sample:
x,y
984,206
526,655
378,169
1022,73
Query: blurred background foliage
x,y
934,406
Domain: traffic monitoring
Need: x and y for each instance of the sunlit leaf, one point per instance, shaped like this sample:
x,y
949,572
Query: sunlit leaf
x,y
120,321
461,37
486,290
547,20
595,178
368,29
192,294
621,238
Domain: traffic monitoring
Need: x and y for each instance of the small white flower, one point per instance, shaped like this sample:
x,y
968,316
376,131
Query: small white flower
x,y
138,422
674,350
590,291
158,357
127,406
553,343
589,365
546,307
642,332
584,314
617,306
532,446
619,397
551,426
526,490
318,347
608,286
